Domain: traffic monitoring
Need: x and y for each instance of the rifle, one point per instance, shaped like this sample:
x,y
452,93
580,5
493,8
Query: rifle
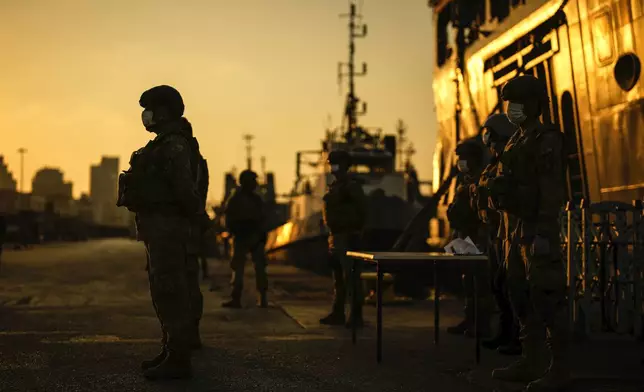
x,y
420,220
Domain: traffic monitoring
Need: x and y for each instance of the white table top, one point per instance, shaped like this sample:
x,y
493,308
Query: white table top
x,y
375,256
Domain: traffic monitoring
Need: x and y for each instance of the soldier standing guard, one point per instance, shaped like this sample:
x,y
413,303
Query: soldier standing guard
x,y
160,188
345,215
530,186
245,218
465,221
496,132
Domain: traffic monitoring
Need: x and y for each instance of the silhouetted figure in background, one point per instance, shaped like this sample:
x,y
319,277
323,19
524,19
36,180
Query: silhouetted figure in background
x,y
345,214
246,220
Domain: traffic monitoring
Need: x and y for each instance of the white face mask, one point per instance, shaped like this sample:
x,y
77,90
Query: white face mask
x,y
462,166
335,168
515,113
147,117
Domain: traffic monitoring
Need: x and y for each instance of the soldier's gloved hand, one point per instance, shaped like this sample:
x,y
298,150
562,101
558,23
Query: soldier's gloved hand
x,y
540,246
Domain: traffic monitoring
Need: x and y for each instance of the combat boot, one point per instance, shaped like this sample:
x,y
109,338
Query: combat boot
x,y
467,323
504,336
526,369
336,317
263,300
460,328
156,361
176,365
557,377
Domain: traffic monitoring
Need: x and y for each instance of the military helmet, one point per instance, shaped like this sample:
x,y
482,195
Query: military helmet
x,y
163,96
525,88
247,175
337,157
497,127
469,148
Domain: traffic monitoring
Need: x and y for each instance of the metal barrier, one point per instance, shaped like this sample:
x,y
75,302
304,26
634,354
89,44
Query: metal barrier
x,y
603,245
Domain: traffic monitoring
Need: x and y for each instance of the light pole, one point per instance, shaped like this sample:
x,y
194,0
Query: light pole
x,y
22,152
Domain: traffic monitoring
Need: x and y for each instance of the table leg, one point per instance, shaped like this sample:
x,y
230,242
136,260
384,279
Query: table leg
x,y
354,301
476,321
379,273
437,294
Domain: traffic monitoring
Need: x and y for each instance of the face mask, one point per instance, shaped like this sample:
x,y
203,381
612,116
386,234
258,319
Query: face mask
x,y
462,166
147,117
486,138
515,113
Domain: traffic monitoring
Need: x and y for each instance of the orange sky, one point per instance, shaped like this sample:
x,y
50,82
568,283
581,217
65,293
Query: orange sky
x,y
73,71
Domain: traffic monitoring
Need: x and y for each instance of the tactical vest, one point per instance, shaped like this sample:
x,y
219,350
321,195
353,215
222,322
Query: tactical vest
x,y
515,190
244,207
341,212
144,187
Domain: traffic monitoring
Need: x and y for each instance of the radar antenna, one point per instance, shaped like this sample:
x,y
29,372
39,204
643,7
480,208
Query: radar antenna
x,y
350,112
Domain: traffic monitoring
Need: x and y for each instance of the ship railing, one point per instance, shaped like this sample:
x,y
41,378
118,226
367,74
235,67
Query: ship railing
x,y
603,244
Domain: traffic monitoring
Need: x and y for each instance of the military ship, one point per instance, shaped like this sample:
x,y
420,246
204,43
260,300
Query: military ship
x,y
393,192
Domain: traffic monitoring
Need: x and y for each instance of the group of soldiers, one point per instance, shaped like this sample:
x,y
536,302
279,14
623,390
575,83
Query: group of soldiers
x,y
510,207
166,187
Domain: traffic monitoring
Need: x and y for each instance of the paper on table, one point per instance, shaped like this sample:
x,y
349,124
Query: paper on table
x,y
462,247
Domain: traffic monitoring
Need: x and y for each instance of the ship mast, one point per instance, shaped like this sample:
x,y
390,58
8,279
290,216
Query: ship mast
x,y
351,113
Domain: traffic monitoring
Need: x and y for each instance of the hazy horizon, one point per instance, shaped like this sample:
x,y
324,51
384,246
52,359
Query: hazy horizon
x,y
74,71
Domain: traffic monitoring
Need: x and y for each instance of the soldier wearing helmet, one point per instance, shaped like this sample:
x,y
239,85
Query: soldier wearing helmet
x,y
530,189
245,216
345,215
463,219
495,133
160,188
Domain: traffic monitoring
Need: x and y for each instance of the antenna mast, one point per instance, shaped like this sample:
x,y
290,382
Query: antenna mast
x,y
351,112
249,148
402,131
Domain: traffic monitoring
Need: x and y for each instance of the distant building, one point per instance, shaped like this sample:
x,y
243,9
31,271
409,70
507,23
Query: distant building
x,y
103,190
48,183
6,177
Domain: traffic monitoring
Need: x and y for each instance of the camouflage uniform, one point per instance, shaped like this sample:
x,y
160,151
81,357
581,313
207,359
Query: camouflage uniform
x,y
531,187
245,218
496,132
159,187
344,214
465,222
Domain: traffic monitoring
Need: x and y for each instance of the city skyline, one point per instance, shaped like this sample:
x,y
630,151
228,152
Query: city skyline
x,y
74,72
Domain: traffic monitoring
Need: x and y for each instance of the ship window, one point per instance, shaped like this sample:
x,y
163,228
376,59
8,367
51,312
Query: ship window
x,y
603,37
